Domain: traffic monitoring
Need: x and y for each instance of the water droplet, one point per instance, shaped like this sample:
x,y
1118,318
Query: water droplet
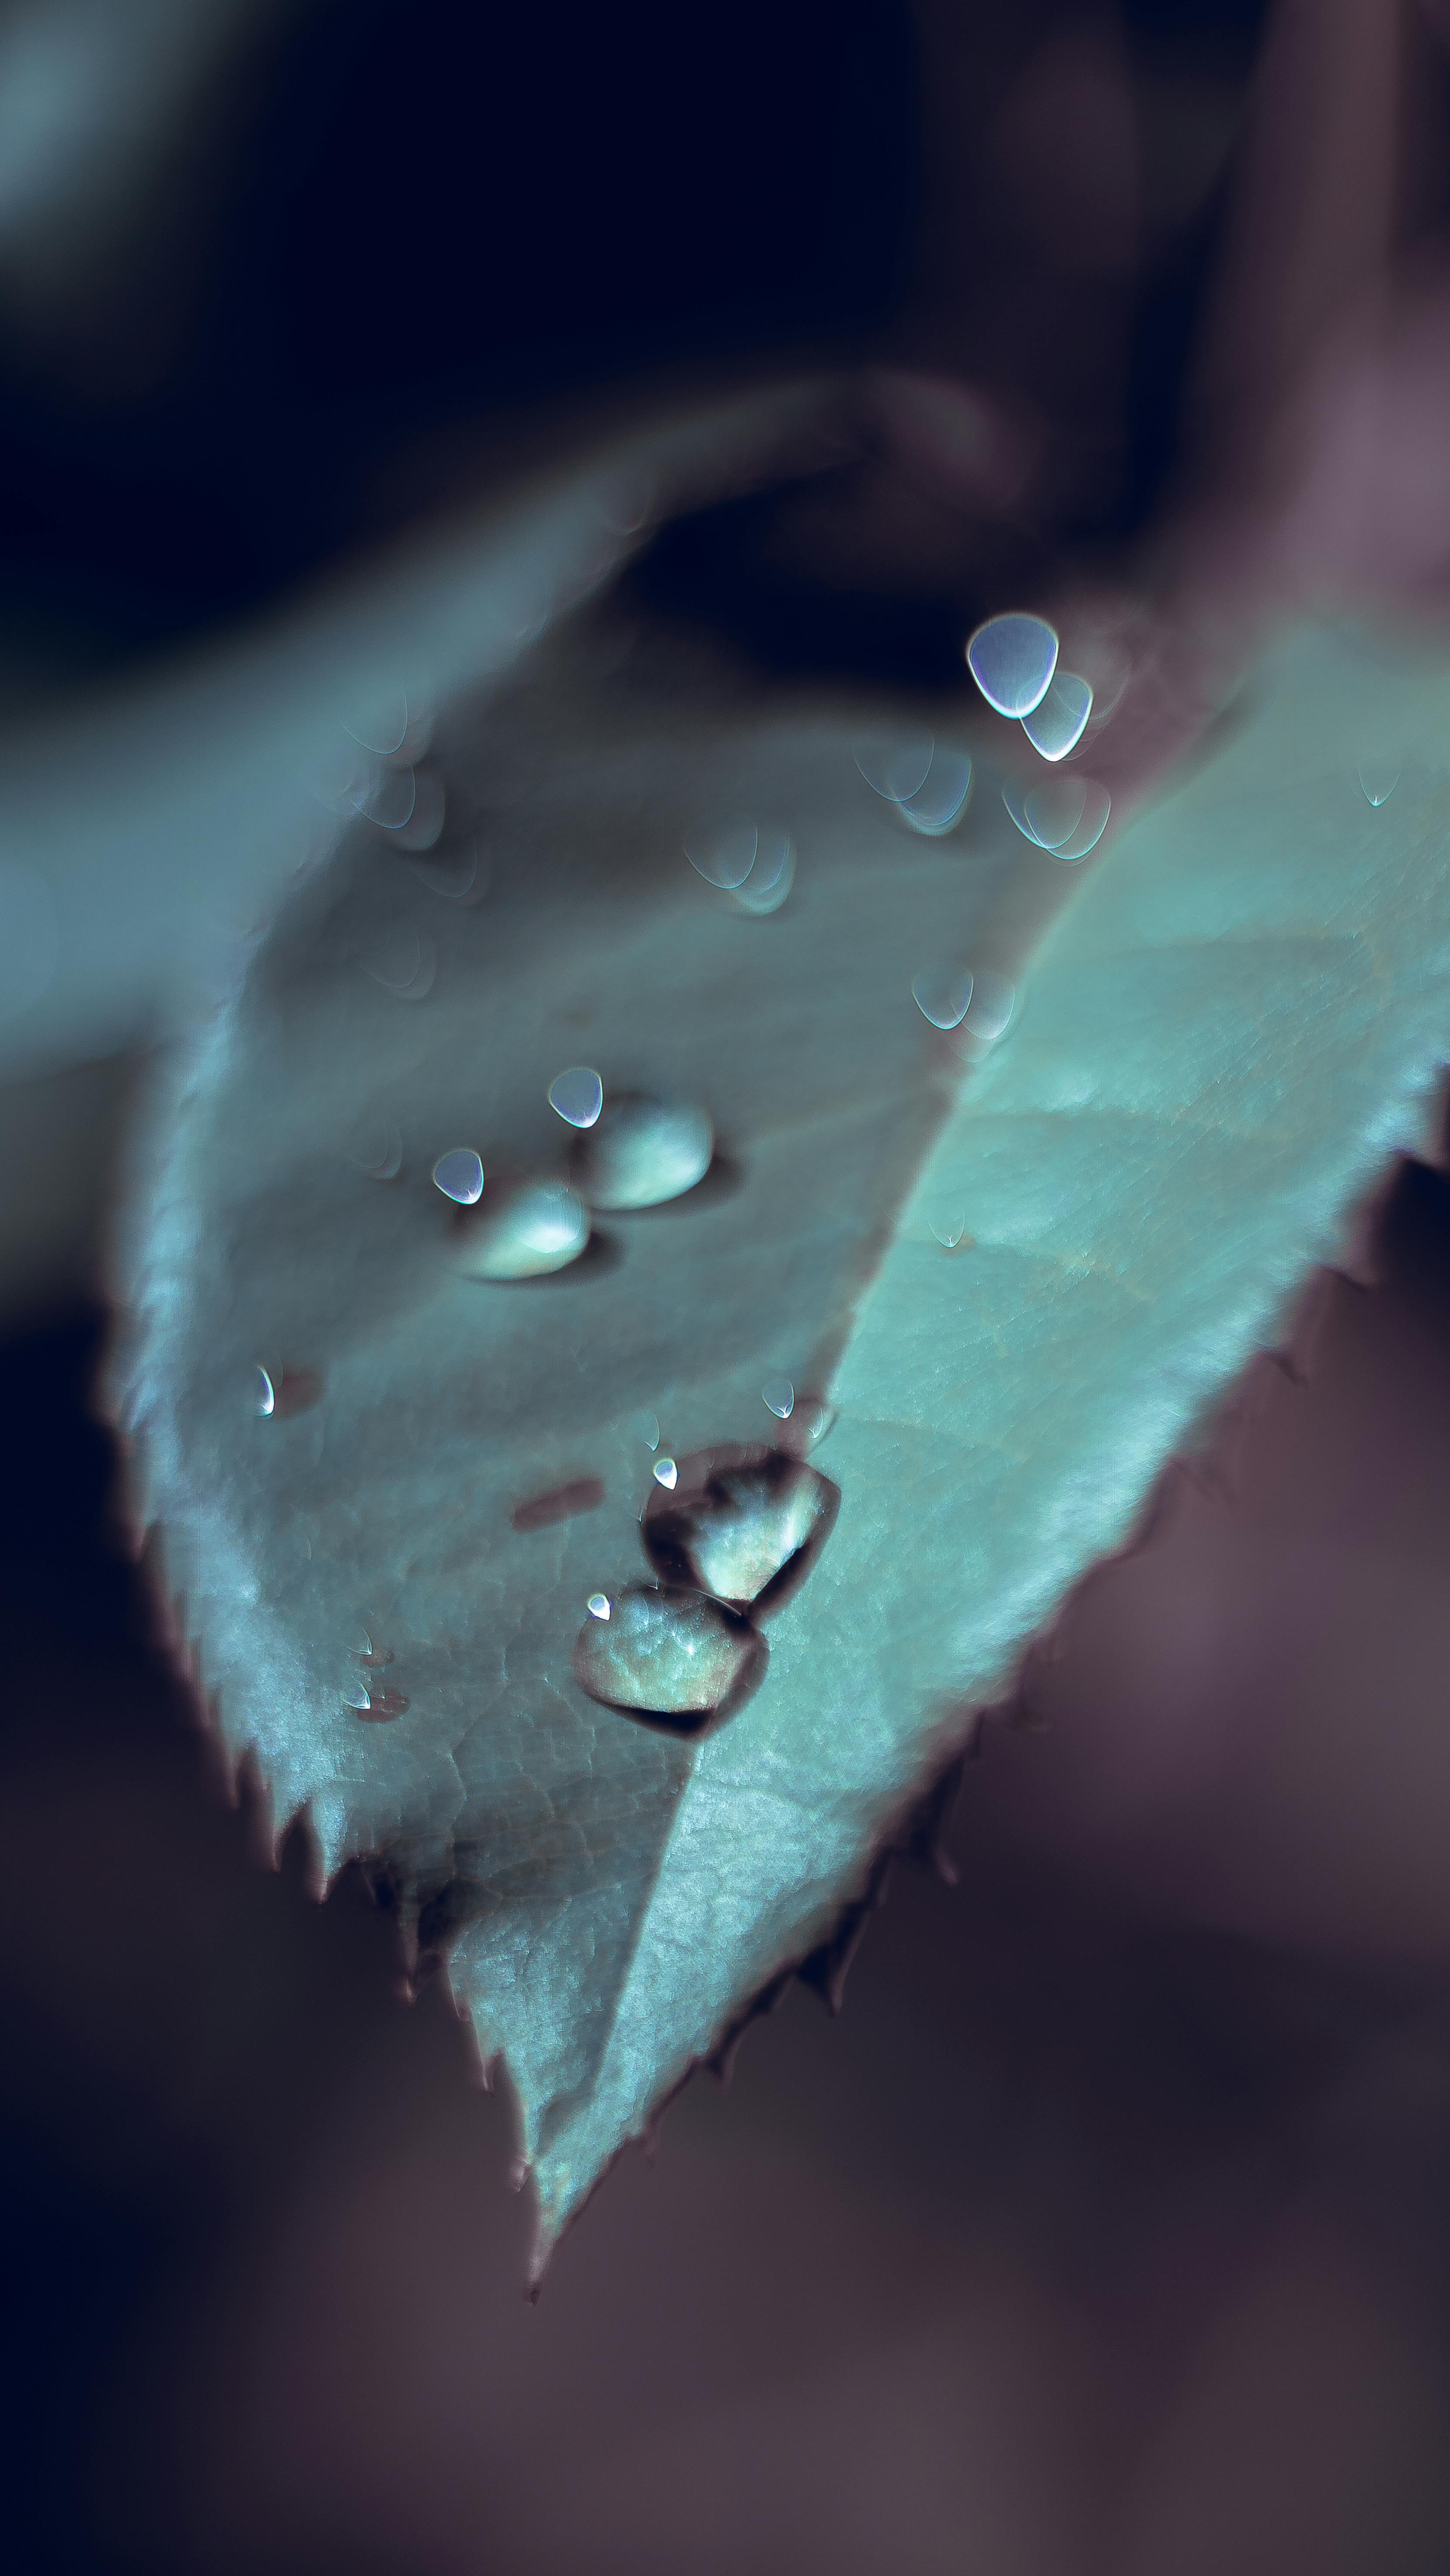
x,y
896,765
375,1657
1012,660
811,1421
665,1473
948,1228
779,1395
383,726
387,797
738,1531
1097,806
577,1096
423,826
667,1653
459,1175
1077,817
942,993
1058,722
526,1230
266,1392
642,1152
992,1004
1379,778
646,1427
941,800
359,1697
598,1605
456,874
724,854
771,878
375,1149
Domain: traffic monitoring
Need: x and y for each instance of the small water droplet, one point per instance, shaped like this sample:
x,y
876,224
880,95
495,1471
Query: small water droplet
x,y
598,1605
577,1096
724,854
665,1473
942,993
941,800
992,1005
459,1175
1012,659
735,1533
266,1392
896,765
375,1149
1059,720
771,878
387,797
359,1697
383,726
1379,778
667,1653
642,1152
527,1230
646,1427
779,1395
948,1229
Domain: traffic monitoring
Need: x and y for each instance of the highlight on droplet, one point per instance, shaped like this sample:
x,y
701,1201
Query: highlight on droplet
x,y
1057,724
666,1473
577,1095
1379,777
778,1395
266,1392
459,1175
598,1605
942,994
1012,659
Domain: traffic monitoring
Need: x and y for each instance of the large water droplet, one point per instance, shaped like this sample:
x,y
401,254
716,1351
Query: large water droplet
x,y
666,1473
641,1152
1059,721
724,854
992,1004
1379,777
1012,659
577,1096
598,1605
525,1230
736,1532
771,878
942,993
667,1653
941,799
896,765
459,1175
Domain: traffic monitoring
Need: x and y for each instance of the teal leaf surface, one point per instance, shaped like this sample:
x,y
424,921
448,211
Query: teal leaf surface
x,y
1004,1284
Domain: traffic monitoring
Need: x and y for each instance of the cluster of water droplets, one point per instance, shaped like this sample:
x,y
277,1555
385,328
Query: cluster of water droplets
x,y
1013,659
380,777
754,863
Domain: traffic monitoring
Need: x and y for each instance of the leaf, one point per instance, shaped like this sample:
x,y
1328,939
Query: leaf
x,y
1240,1016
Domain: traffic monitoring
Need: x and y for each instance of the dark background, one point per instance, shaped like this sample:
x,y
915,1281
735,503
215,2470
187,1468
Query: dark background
x,y
1106,2229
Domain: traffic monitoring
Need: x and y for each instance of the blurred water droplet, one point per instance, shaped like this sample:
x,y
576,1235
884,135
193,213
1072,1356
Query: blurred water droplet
x,y
455,875
941,799
948,1228
423,826
577,1096
642,1152
992,1004
526,1230
942,993
383,726
361,1644
1054,809
738,1532
1379,778
646,1427
1097,806
724,854
375,1149
598,1605
665,1473
459,1175
1060,719
1012,659
395,959
896,765
812,1420
375,1657
387,797
779,1395
773,875
266,1392
667,1653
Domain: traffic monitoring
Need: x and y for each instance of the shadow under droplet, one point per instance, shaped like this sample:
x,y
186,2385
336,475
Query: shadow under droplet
x,y
561,1503
296,1391
724,1179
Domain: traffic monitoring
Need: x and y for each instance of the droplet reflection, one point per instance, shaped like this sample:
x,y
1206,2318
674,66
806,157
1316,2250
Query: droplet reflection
x,y
459,1175
642,1152
577,1096
942,993
1058,722
1012,659
666,1653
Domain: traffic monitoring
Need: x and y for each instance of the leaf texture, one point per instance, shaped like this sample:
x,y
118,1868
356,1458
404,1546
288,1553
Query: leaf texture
x,y
1240,1015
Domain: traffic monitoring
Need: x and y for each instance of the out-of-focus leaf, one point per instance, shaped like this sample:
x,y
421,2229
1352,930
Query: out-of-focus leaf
x,y
1239,1017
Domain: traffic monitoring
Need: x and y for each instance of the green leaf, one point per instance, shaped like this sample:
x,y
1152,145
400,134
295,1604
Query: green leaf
x,y
1238,1018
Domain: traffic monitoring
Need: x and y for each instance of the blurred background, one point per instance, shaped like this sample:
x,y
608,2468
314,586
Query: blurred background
x,y
1107,2228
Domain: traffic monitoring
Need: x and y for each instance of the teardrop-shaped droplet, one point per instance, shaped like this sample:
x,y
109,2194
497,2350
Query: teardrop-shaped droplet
x,y
896,765
942,993
779,1394
738,1531
667,1653
266,1392
598,1605
1012,659
387,798
1059,720
771,878
941,799
641,1152
724,854
459,1175
1379,778
665,1473
525,1230
992,1004
1097,806
577,1096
